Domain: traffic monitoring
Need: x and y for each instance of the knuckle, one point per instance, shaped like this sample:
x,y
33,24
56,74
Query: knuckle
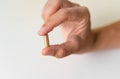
x,y
85,9
60,54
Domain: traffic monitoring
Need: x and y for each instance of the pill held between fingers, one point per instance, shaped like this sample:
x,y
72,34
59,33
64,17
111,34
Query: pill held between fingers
x,y
46,40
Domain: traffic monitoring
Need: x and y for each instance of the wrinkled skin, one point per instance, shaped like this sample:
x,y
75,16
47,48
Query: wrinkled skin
x,y
74,20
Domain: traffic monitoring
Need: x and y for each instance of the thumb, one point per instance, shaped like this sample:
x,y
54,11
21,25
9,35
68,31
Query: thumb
x,y
72,45
59,51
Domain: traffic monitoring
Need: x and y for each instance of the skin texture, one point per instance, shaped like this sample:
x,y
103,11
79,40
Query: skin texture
x,y
74,20
108,37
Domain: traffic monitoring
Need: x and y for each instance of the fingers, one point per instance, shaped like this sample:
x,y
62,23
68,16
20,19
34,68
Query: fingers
x,y
53,21
62,15
50,8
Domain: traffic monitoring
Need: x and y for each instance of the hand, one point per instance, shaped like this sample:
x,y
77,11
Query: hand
x,y
74,21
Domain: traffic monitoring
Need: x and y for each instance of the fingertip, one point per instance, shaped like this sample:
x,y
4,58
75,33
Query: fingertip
x,y
47,51
45,30
44,53
41,32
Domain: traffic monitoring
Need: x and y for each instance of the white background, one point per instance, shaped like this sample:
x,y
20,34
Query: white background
x,y
20,46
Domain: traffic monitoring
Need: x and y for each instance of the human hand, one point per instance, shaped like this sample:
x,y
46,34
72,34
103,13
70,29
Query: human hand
x,y
74,21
